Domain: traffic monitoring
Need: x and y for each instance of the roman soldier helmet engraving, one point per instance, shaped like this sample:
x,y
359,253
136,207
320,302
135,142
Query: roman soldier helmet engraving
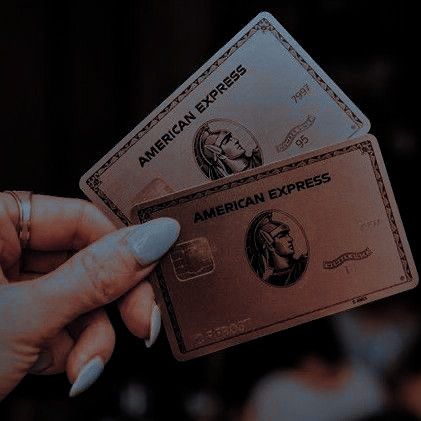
x,y
223,147
271,250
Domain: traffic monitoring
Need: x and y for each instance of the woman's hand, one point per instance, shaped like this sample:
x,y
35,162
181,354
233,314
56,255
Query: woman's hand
x,y
51,316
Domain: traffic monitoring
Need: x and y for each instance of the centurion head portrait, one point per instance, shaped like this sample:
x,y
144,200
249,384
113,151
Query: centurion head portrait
x,y
224,147
277,248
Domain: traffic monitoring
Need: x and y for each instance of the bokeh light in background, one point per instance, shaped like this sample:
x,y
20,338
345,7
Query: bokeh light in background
x,y
78,76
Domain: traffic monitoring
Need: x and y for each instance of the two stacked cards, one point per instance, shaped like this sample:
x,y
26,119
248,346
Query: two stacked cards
x,y
285,206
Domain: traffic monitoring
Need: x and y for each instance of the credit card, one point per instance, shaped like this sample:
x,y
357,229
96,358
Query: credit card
x,y
278,246
260,99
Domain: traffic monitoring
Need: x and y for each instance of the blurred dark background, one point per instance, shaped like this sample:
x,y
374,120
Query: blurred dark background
x,y
78,76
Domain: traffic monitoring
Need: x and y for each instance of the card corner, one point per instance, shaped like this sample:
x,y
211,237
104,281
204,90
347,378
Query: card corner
x,y
264,14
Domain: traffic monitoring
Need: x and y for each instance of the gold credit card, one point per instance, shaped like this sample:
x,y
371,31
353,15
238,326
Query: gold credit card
x,y
278,246
260,99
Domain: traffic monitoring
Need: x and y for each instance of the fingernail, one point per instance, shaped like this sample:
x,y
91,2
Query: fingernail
x,y
151,240
155,326
87,376
44,361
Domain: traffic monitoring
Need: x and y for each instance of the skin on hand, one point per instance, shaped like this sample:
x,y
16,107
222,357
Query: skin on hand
x,y
52,293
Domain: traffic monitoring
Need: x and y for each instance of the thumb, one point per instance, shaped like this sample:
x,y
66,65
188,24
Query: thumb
x,y
103,271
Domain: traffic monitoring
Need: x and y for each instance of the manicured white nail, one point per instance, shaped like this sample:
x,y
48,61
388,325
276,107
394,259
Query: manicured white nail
x,y
87,376
151,240
155,326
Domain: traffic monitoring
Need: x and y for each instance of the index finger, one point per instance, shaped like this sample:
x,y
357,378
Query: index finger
x,y
59,223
